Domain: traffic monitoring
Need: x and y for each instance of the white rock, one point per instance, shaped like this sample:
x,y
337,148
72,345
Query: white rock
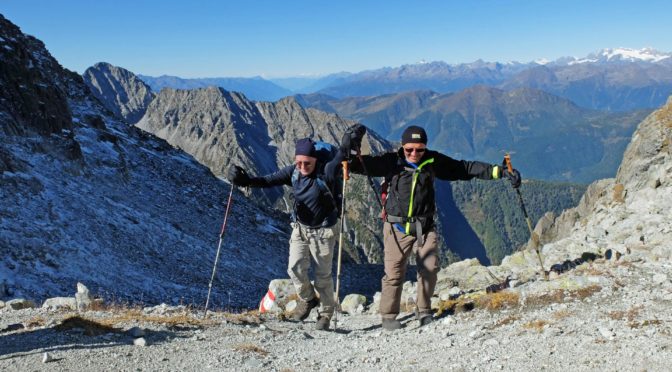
x,y
82,297
606,333
46,358
140,342
475,334
449,321
55,303
352,302
291,305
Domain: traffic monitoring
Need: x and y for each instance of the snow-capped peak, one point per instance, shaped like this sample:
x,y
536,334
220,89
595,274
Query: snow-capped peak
x,y
623,55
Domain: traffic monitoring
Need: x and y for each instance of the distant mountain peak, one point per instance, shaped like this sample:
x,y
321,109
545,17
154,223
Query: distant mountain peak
x,y
623,55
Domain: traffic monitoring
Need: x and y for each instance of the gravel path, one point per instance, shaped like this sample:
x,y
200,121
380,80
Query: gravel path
x,y
624,326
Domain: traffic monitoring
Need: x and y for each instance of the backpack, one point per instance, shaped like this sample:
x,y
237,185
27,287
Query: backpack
x,y
325,153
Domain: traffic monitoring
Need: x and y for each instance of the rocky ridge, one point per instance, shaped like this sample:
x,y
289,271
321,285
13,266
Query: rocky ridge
x,y
119,90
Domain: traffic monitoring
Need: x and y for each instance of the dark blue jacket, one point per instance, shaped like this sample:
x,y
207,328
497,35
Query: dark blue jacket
x,y
312,207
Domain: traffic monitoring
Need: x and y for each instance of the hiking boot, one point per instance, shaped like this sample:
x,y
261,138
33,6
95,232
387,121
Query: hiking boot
x,y
322,323
426,319
303,309
391,324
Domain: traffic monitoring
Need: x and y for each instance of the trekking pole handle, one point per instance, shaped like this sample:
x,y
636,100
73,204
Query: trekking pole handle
x,y
346,173
507,159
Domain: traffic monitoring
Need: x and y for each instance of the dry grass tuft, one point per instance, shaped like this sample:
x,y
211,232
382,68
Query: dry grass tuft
x,y
90,327
585,292
35,322
498,301
562,295
553,297
505,321
645,323
250,348
455,306
562,314
537,325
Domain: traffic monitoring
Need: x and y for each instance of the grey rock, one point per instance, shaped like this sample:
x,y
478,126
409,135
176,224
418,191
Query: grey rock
x,y
606,333
449,321
56,303
476,334
353,304
19,304
82,296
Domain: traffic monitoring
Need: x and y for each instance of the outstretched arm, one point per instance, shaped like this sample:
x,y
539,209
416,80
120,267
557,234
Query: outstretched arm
x,y
447,168
239,177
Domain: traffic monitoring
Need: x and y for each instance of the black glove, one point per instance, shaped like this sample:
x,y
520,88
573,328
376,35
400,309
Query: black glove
x,y
513,176
352,140
238,176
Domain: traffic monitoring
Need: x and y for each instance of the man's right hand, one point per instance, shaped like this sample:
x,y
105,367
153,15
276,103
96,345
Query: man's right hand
x,y
352,140
238,176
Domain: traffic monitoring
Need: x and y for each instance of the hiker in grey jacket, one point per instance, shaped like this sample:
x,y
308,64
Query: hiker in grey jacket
x,y
409,211
313,178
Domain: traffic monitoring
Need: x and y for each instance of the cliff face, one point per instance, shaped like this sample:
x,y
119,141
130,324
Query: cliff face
x,y
626,216
33,94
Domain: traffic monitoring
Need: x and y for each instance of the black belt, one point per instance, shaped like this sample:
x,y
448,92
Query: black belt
x,y
413,219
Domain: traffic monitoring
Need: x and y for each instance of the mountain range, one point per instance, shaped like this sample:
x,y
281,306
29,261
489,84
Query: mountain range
x,y
553,138
614,79
220,128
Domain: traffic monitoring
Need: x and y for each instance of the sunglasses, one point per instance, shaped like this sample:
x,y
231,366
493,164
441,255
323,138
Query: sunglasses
x,y
303,164
410,150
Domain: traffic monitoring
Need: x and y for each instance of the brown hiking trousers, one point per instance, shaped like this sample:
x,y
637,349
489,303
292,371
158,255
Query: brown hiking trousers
x,y
398,247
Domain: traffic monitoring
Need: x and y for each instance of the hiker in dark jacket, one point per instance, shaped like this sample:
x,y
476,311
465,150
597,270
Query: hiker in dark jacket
x,y
314,226
410,209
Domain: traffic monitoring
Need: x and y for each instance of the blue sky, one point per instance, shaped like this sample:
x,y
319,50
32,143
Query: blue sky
x,y
289,38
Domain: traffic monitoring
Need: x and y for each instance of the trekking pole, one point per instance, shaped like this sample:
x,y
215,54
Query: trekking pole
x,y
368,176
533,236
346,176
219,246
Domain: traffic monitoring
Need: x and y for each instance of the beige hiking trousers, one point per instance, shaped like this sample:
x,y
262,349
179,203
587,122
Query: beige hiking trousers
x,y
398,247
314,246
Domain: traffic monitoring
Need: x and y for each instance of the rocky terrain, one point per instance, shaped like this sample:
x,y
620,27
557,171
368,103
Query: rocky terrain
x,y
604,306
92,205
84,197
